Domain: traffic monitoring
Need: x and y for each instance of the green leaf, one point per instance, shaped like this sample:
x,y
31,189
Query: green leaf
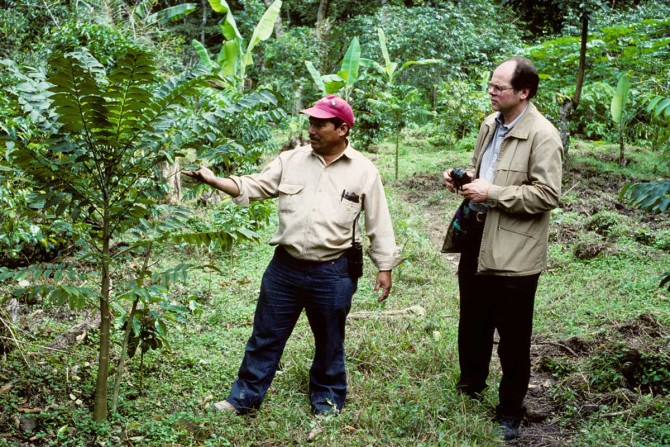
x,y
173,12
316,76
665,280
263,29
229,27
228,58
619,99
201,51
662,107
351,63
385,52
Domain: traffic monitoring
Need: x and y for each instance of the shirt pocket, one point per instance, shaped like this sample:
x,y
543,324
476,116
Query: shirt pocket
x,y
346,213
289,197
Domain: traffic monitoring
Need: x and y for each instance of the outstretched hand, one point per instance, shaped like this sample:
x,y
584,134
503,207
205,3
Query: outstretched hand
x,y
203,175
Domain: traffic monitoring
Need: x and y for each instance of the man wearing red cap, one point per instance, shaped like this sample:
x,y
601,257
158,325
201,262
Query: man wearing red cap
x,y
322,189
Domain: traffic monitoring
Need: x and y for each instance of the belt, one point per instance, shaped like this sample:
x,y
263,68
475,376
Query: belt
x,y
281,252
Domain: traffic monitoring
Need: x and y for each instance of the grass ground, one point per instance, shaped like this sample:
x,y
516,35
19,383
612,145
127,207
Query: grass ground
x,y
601,352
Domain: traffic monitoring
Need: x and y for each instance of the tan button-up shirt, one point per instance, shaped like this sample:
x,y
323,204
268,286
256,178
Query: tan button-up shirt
x,y
317,204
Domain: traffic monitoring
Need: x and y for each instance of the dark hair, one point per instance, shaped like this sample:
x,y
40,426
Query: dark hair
x,y
337,122
525,76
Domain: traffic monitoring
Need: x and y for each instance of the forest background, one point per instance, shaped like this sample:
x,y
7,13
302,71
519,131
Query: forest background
x,y
127,297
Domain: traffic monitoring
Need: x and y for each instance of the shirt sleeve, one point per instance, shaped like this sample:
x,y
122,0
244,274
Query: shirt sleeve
x,y
259,186
378,226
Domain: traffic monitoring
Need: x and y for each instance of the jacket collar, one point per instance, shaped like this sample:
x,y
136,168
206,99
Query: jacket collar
x,y
522,128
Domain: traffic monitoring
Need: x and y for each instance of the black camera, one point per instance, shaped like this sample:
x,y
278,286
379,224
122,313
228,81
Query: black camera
x,y
459,177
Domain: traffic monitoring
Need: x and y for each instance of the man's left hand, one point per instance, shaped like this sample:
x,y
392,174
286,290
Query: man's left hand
x,y
476,191
384,283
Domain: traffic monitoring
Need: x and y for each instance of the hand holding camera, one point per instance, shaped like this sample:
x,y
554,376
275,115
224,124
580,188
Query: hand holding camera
x,y
459,178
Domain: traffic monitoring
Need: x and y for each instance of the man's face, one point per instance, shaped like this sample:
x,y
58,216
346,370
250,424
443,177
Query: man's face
x,y
504,98
324,137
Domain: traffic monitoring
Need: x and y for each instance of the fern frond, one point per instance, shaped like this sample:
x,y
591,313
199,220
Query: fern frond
x,y
221,238
77,97
129,93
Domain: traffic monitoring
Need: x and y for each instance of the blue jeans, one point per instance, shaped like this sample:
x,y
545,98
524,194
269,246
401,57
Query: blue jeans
x,y
289,285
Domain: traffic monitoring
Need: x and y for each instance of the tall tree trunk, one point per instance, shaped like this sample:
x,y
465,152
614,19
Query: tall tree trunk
x,y
622,145
100,400
203,22
570,104
321,15
171,174
322,12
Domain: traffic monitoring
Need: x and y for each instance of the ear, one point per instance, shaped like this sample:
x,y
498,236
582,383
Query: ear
x,y
523,93
343,129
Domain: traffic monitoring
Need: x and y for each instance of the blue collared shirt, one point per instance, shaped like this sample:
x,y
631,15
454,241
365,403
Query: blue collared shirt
x,y
487,168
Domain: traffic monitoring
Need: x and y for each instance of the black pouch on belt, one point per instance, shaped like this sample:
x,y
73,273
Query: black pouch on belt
x,y
355,260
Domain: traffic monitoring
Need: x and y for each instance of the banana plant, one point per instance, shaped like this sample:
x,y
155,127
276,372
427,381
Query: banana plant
x,y
390,69
344,80
396,101
618,112
232,60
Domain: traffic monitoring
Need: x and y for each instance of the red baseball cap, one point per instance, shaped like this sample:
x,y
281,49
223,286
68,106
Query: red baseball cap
x,y
332,106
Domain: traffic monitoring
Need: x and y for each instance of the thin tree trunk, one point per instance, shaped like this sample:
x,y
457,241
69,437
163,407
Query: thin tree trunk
x,y
565,111
100,401
321,15
582,58
122,357
322,12
129,327
203,22
622,145
570,104
171,174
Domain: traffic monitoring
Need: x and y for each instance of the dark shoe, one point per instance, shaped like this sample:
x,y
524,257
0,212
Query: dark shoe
x,y
471,392
224,407
510,427
325,409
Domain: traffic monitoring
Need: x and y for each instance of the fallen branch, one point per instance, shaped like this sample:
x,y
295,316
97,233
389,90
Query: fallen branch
x,y
553,343
13,338
616,413
571,188
413,311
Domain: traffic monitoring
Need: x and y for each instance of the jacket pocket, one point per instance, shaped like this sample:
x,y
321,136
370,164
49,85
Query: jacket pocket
x,y
517,248
288,197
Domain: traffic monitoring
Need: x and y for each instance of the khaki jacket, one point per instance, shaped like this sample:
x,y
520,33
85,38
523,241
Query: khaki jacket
x,y
526,187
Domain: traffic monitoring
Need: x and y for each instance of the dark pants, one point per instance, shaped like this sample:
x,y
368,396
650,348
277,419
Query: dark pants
x,y
489,302
289,285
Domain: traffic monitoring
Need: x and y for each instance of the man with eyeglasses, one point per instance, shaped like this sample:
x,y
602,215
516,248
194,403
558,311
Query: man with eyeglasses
x,y
515,174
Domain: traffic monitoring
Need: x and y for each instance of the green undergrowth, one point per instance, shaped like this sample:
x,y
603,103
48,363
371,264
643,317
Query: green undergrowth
x,y
402,359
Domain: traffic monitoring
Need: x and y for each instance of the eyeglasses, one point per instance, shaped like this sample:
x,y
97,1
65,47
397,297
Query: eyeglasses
x,y
496,88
